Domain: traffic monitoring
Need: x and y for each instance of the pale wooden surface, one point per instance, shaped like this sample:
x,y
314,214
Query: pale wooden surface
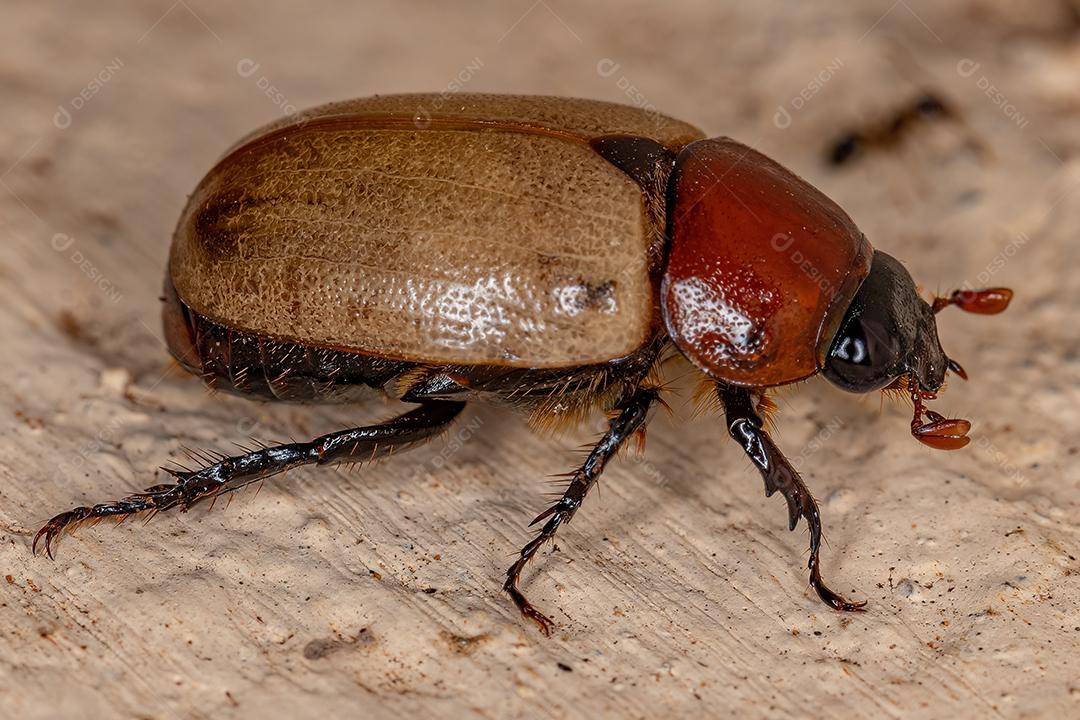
x,y
678,588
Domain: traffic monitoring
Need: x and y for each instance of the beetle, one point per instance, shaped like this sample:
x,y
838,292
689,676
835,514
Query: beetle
x,y
542,252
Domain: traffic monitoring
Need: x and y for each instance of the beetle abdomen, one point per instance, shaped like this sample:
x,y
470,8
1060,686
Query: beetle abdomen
x,y
442,241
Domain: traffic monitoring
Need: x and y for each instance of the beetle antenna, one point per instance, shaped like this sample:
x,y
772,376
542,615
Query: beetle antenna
x,y
988,301
937,431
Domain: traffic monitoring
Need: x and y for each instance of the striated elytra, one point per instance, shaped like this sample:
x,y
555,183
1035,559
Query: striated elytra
x,y
548,253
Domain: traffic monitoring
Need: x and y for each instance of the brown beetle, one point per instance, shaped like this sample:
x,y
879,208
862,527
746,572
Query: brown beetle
x,y
542,252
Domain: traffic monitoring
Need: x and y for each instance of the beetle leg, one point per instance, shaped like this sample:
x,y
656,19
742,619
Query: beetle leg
x,y
231,473
745,426
631,417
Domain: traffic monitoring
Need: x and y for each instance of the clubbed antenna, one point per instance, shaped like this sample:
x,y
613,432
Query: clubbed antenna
x,y
989,301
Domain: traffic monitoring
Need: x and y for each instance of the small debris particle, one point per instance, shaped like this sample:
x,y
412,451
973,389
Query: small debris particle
x,y
69,324
114,381
564,667
462,644
319,648
34,423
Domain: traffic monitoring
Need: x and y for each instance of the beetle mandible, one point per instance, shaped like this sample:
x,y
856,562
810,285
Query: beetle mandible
x,y
543,252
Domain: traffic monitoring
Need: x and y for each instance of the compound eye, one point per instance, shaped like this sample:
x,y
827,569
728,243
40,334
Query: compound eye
x,y
864,356
852,349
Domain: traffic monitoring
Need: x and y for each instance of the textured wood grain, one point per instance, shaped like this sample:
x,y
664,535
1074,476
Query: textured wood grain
x,y
677,589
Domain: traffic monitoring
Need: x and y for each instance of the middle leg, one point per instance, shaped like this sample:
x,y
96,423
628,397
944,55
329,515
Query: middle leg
x,y
631,417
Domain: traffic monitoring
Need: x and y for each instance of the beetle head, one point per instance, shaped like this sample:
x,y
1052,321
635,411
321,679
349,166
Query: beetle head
x,y
888,339
890,332
887,332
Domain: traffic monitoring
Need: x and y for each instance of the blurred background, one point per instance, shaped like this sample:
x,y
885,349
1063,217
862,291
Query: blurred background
x,y
678,588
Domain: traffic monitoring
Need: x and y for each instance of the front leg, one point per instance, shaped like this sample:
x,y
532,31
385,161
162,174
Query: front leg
x,y
745,426
631,417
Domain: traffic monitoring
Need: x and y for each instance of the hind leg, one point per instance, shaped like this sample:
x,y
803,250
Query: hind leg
x,y
231,473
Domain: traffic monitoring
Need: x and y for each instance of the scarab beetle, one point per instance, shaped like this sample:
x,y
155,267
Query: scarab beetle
x,y
544,252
